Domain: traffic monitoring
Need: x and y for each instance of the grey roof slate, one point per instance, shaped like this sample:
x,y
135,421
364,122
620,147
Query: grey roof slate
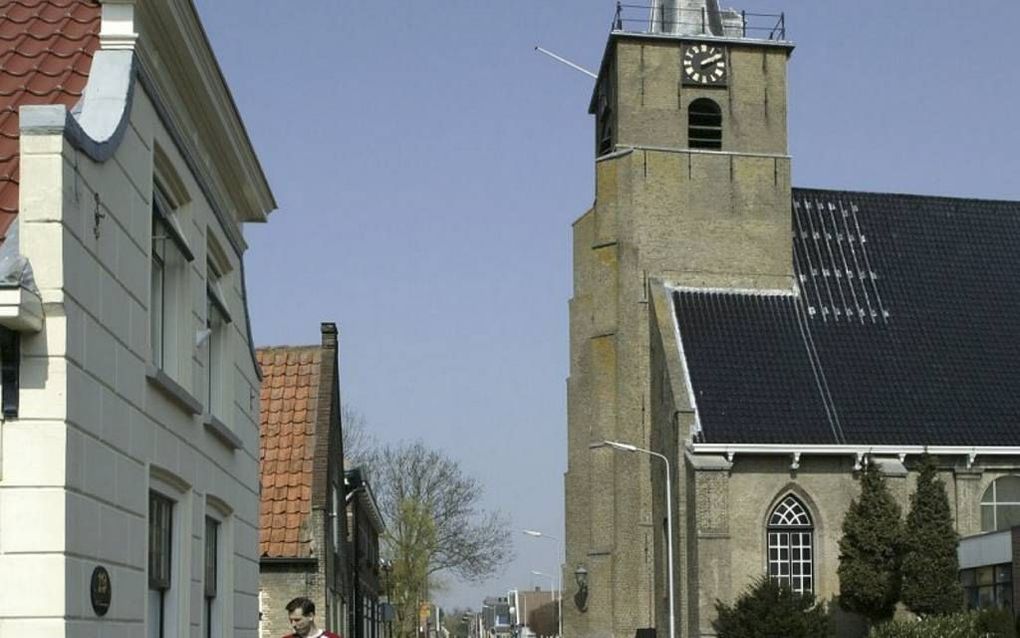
x,y
905,329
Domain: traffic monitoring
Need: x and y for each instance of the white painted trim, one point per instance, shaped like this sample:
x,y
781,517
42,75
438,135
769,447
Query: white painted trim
x,y
95,125
178,603
835,450
21,309
223,609
206,130
683,366
626,150
117,30
757,292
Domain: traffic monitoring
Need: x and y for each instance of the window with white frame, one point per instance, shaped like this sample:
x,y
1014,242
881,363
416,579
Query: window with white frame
x,y
211,577
791,545
262,613
1000,505
169,258
216,353
161,542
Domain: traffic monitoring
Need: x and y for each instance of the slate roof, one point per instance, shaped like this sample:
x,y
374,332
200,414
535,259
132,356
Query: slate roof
x,y
46,49
288,406
905,329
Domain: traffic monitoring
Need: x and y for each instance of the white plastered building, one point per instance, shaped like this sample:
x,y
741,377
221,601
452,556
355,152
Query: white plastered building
x,y
129,441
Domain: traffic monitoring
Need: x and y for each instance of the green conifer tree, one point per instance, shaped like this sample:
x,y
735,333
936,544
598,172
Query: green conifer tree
x,y
770,610
931,584
869,552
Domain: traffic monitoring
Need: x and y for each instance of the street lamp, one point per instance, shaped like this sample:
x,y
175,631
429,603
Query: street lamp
x,y
559,584
387,568
627,447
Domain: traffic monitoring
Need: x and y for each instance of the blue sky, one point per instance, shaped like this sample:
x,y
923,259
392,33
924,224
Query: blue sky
x,y
428,165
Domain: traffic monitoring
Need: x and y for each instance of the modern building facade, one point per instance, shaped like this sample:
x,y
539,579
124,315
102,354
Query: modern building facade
x,y
302,523
495,617
767,341
128,467
988,564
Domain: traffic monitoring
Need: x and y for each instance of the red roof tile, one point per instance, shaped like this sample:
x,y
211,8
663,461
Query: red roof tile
x,y
46,49
288,409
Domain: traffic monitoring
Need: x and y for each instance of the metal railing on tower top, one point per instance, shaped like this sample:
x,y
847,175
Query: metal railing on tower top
x,y
665,18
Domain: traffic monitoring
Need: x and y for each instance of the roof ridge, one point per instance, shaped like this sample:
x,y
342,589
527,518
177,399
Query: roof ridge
x,y
951,198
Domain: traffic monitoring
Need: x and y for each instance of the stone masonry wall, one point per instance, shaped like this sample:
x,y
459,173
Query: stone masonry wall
x,y
661,210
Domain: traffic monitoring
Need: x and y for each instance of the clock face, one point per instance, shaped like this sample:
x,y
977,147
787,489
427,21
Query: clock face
x,y
704,64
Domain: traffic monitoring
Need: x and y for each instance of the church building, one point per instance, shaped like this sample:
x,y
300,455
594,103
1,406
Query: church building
x,y
740,349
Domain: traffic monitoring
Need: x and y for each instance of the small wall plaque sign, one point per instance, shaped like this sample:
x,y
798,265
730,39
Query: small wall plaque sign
x,y
101,590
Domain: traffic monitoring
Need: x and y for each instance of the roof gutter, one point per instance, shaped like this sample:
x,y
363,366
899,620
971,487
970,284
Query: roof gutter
x,y
366,497
288,560
730,450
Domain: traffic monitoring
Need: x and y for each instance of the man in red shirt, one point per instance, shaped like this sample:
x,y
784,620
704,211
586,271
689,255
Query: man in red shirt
x,y
301,614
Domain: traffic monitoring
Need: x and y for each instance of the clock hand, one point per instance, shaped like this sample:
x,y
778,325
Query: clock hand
x,y
711,59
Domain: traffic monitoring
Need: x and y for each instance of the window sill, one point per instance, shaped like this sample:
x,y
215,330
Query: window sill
x,y
20,309
172,389
220,430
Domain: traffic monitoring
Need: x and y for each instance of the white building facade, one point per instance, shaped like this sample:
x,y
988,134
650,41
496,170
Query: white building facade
x,y
129,486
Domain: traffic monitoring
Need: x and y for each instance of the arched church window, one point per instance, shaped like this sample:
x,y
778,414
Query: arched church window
x,y
704,124
1000,505
791,545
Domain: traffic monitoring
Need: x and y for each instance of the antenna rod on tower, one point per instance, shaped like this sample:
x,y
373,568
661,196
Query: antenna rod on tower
x,y
567,62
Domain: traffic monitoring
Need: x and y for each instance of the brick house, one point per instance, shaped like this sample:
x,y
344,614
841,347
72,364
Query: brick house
x,y
128,440
302,529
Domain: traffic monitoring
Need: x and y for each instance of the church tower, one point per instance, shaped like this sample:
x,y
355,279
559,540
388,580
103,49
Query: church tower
x,y
692,189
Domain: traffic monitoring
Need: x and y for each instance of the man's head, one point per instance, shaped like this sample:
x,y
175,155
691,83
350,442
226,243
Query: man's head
x,y
301,614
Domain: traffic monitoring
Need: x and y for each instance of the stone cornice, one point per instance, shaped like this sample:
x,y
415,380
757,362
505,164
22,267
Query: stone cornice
x,y
731,450
178,66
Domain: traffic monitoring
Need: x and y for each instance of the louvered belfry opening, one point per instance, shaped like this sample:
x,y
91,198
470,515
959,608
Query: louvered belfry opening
x,y
704,124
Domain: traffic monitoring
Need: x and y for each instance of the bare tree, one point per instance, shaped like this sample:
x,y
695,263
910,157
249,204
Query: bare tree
x,y
469,542
357,442
434,522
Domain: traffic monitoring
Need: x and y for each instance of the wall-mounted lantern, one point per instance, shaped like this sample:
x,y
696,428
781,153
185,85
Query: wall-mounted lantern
x,y
581,597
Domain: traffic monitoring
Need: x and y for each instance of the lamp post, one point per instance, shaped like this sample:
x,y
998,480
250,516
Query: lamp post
x,y
627,447
387,568
559,583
